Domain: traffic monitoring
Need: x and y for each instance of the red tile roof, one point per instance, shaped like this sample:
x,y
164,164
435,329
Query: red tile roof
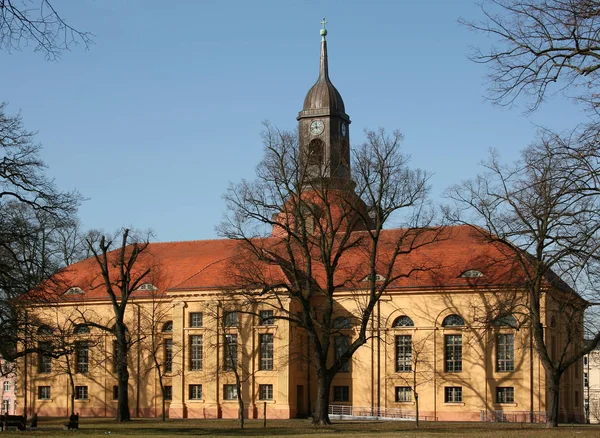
x,y
209,264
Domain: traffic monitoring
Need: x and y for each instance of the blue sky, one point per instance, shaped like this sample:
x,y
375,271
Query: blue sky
x,y
153,122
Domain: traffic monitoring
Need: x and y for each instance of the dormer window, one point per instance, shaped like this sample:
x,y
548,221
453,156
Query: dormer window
x,y
472,273
147,286
378,278
74,291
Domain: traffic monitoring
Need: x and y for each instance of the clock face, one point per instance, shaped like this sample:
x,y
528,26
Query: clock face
x,y
316,127
343,129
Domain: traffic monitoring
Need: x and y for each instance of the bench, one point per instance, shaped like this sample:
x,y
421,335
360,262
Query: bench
x,y
73,423
7,421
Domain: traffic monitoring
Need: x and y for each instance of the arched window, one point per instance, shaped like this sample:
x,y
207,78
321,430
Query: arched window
x,y
472,273
81,329
453,321
342,322
505,321
44,330
315,153
147,286
167,327
74,291
403,321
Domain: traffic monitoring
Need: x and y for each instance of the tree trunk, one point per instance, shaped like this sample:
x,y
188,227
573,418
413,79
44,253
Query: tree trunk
x,y
241,410
553,392
72,384
321,414
417,409
123,413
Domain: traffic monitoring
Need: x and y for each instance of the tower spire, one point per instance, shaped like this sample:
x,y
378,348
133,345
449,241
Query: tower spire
x,y
323,68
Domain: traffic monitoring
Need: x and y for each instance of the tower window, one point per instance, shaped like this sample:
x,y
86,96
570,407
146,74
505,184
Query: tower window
x,y
315,153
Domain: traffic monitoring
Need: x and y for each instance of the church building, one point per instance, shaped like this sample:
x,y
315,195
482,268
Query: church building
x,y
431,334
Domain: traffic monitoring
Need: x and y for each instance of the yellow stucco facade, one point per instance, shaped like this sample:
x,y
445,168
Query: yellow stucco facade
x,y
451,385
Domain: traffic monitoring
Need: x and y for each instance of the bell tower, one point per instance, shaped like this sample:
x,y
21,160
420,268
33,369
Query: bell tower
x,y
324,131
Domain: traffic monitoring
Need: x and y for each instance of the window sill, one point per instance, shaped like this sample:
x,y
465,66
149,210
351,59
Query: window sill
x,y
45,400
507,404
269,402
405,403
195,400
82,400
453,403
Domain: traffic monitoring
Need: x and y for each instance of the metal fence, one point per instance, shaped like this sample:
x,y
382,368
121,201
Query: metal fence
x,y
375,413
513,416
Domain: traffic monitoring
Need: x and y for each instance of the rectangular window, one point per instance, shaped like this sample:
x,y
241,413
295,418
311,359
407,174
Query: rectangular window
x,y
265,392
6,386
229,392
403,394
81,393
43,393
266,317
576,399
196,319
586,381
342,344
230,319
195,392
82,356
266,351
196,352
341,393
453,394
169,392
231,352
44,358
505,394
453,353
115,393
168,355
505,353
403,353
5,406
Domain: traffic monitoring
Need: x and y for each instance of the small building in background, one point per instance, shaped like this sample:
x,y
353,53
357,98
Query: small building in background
x,y
591,386
8,387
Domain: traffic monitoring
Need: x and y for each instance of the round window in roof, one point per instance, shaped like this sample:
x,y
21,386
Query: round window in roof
x,y
472,273
403,321
453,321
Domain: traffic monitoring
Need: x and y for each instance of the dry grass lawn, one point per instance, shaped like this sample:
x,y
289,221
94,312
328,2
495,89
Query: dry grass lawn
x,y
298,428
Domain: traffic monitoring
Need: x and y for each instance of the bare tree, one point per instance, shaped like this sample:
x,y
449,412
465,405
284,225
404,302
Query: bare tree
x,y
65,347
158,342
543,214
541,44
123,269
32,214
37,22
299,235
